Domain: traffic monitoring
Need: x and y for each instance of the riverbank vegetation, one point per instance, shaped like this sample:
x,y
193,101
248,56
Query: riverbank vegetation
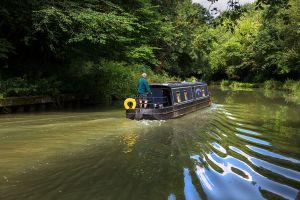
x,y
290,87
101,47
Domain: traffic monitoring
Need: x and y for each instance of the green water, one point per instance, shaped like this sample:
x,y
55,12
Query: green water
x,y
245,146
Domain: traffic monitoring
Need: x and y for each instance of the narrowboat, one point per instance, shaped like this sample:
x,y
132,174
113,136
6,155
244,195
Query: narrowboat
x,y
169,100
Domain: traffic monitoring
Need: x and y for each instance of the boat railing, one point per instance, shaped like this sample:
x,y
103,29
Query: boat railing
x,y
155,102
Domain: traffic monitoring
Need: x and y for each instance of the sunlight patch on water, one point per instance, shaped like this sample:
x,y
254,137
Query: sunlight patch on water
x,y
255,140
227,167
272,154
215,106
219,147
172,197
243,181
247,131
205,181
190,191
288,173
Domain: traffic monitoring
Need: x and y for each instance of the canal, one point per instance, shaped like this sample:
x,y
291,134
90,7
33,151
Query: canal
x,y
245,146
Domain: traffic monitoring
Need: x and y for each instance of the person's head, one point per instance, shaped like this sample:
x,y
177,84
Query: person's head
x,y
144,75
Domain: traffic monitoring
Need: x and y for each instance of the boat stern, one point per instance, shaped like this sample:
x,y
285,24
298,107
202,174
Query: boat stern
x,y
141,113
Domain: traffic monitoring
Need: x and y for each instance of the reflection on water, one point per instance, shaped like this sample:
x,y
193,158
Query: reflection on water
x,y
190,191
245,146
129,141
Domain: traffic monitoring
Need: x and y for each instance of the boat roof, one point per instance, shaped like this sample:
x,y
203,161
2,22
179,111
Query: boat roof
x,y
177,84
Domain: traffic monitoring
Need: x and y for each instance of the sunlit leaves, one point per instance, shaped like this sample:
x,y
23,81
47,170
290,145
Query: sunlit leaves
x,y
143,54
83,25
259,47
99,28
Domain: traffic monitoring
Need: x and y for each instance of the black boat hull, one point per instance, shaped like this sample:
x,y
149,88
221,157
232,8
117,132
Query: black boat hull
x,y
169,112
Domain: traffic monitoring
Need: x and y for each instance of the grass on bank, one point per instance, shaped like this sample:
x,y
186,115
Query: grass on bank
x,y
288,85
237,85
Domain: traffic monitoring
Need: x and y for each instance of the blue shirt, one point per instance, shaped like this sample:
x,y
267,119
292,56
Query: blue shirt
x,y
143,86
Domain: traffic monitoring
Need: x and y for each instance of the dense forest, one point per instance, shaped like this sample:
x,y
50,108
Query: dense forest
x,y
102,46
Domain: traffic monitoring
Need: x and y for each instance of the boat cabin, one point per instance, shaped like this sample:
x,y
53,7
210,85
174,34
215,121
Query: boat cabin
x,y
171,100
170,94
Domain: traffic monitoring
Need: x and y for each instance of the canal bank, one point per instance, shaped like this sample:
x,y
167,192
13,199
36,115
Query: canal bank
x,y
46,103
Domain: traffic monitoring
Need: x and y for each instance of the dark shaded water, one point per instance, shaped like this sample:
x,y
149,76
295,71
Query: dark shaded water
x,y
246,146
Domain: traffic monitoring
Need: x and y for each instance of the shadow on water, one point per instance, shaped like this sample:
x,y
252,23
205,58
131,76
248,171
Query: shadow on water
x,y
246,146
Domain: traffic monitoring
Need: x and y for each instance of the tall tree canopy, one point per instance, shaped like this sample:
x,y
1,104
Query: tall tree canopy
x,y
78,42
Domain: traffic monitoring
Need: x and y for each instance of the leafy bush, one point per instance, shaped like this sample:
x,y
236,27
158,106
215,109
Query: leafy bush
x,y
2,90
106,79
192,79
5,48
272,84
118,80
161,78
236,85
225,83
291,85
17,87
294,91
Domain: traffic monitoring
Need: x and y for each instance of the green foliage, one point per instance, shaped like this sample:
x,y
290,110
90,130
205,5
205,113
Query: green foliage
x,y
294,90
225,83
120,80
123,83
259,48
143,54
2,90
109,79
243,85
77,24
70,46
5,48
237,85
272,84
229,55
17,87
292,86
101,28
162,78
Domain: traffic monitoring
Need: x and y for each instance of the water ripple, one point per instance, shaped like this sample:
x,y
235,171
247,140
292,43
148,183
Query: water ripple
x,y
247,131
288,173
215,184
244,147
225,163
272,154
190,191
254,140
219,147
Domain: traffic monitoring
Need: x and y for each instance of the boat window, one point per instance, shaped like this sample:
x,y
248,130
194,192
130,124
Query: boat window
x,y
203,92
167,97
185,95
178,96
197,92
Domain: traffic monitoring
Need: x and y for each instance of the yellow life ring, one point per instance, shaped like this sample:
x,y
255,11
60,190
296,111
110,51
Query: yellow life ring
x,y
129,100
